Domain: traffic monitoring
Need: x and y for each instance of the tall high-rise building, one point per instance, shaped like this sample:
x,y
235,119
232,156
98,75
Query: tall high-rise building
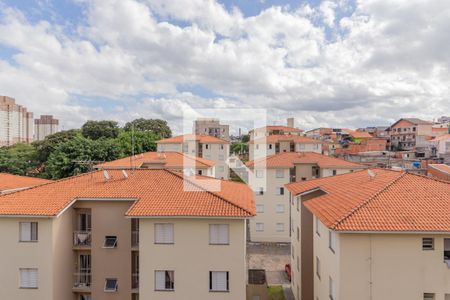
x,y
212,127
44,126
16,123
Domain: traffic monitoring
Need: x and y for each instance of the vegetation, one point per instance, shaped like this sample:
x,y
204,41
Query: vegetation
x,y
72,152
276,292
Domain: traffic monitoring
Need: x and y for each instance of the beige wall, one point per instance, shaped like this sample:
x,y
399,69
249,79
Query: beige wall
x,y
218,153
169,147
306,147
191,257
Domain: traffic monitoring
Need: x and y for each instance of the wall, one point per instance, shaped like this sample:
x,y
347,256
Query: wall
x,y
218,153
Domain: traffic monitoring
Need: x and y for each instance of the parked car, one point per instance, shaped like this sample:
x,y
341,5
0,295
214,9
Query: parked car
x,y
287,269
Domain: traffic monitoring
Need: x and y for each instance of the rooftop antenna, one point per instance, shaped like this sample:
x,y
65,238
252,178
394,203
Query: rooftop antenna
x,y
371,174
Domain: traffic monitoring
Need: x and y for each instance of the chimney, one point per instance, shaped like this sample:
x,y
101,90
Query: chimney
x,y
290,122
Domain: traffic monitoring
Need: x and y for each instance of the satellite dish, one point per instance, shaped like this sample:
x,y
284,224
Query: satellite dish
x,y
125,174
106,174
371,174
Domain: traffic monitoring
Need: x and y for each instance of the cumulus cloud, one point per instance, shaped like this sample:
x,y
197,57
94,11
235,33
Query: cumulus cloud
x,y
327,65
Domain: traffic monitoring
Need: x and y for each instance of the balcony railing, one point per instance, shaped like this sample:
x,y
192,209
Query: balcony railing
x,y
82,238
82,280
135,280
134,238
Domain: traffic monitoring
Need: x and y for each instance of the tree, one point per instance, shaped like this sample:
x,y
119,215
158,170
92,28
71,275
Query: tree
x,y
156,126
95,130
245,138
45,147
19,159
143,141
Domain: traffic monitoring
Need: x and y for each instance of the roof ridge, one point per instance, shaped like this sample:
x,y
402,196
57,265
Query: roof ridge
x,y
179,175
366,201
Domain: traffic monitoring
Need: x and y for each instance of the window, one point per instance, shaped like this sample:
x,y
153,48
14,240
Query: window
x,y
221,168
318,267
164,233
85,297
280,173
221,147
270,146
280,227
332,240
259,173
110,242
428,296
28,278
219,234
259,208
428,244
301,146
221,157
280,191
164,280
206,146
260,191
111,285
219,281
28,231
317,226
260,227
334,172
280,208
332,289
84,222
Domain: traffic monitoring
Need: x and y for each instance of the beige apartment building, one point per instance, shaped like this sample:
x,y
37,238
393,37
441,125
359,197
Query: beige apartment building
x,y
11,183
212,127
203,146
16,123
275,130
410,134
271,174
117,234
274,144
176,161
375,235
44,126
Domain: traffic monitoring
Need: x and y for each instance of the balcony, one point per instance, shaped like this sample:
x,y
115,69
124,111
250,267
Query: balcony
x,y
82,239
135,281
135,239
82,281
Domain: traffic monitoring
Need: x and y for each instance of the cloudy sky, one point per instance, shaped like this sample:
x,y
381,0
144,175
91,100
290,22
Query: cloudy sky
x,y
327,63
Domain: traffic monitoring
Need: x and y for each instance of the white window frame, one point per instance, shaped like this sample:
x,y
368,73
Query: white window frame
x,y
332,241
110,237
167,234
111,290
219,234
427,244
259,227
215,286
28,278
317,226
279,173
280,227
159,288
28,232
259,173
280,191
259,208
280,209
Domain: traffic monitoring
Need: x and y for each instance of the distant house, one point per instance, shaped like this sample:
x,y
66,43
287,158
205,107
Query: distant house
x,y
410,134
439,171
10,183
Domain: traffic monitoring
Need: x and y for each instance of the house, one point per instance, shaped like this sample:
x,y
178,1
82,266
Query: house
x,y
274,144
275,130
440,147
439,171
371,235
212,127
272,222
10,183
410,134
149,234
203,146
175,161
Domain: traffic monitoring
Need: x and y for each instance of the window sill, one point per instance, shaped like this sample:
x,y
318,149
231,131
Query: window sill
x,y
26,242
228,244
173,290
213,291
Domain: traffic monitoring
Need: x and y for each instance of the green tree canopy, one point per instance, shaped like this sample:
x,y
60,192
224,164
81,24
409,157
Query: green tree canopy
x,y
95,130
19,159
143,141
45,147
156,126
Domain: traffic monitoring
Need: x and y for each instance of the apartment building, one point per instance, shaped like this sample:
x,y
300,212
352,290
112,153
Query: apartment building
x,y
410,134
271,174
44,126
212,127
16,123
176,161
200,145
10,183
274,144
376,131
269,130
116,234
440,147
372,235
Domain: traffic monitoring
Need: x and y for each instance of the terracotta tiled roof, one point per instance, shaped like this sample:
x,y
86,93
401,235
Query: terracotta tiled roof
x,y
11,182
275,138
289,159
441,138
157,193
441,167
391,201
171,160
193,137
360,134
277,127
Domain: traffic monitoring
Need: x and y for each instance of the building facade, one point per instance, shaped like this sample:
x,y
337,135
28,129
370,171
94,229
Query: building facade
x,y
275,144
410,134
16,123
44,126
212,127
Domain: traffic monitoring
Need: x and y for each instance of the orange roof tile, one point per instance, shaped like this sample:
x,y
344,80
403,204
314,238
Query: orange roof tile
x,y
391,201
11,182
360,134
275,138
441,138
290,159
441,167
205,139
157,193
171,160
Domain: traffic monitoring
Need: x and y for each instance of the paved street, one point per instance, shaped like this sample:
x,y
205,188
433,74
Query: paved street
x,y
272,258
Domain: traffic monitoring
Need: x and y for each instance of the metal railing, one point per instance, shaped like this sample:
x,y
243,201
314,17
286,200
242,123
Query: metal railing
x,y
135,238
82,280
135,280
82,238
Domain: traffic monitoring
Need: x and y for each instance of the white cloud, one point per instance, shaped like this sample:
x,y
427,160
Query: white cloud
x,y
385,60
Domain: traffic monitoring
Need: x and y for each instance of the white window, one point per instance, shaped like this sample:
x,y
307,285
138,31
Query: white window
x,y
301,146
280,173
164,280
111,285
280,191
428,244
110,242
221,157
28,231
280,227
430,296
280,208
164,233
317,226
219,234
318,267
332,289
219,281
332,240
259,173
259,208
221,169
28,278
259,226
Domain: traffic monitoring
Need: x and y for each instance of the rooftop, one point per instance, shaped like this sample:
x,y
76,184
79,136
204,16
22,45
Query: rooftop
x,y
275,138
277,127
11,182
156,193
441,168
441,138
204,139
391,201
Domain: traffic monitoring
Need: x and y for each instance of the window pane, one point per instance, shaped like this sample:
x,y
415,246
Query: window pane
x,y
25,231
219,281
28,278
164,233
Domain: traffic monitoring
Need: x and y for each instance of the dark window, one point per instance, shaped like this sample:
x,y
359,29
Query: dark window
x,y
427,244
110,242
110,285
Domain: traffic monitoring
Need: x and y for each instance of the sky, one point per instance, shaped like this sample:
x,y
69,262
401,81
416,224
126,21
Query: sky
x,y
337,63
